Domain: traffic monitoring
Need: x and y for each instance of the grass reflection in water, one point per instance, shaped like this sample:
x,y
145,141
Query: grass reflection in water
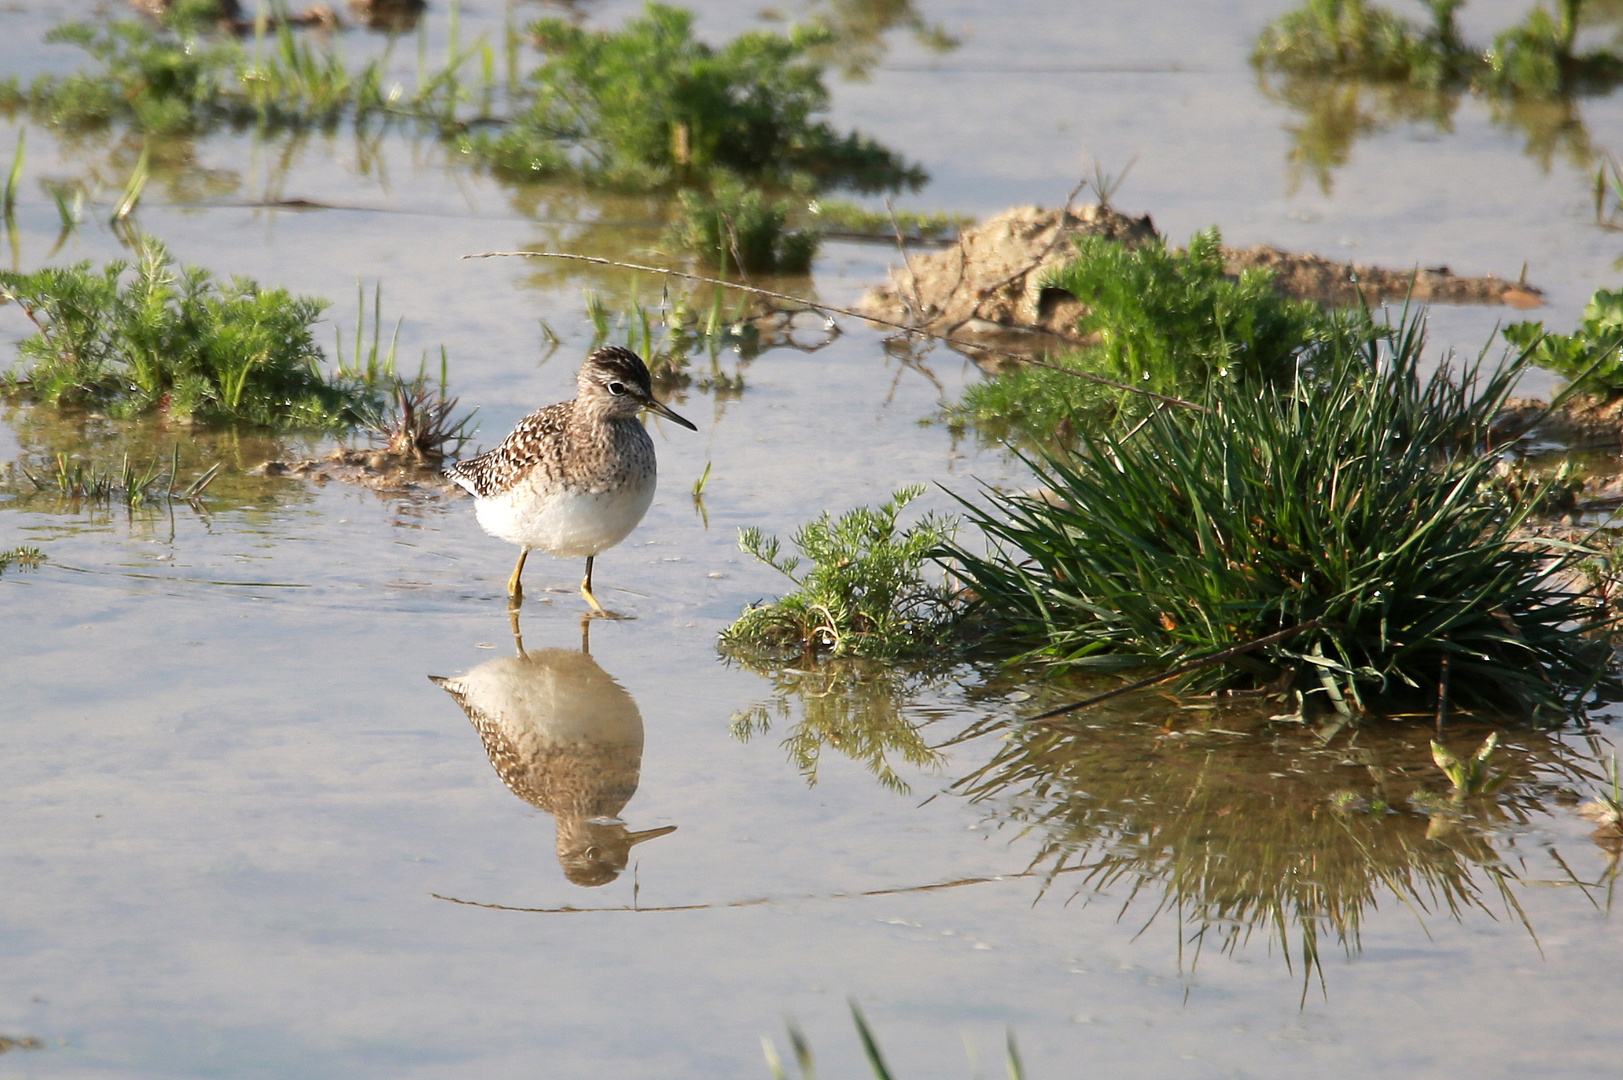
x,y
1228,821
1235,824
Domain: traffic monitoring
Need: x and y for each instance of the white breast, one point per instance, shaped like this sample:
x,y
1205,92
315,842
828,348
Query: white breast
x,y
568,524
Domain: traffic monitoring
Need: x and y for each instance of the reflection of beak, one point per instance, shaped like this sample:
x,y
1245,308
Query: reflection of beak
x,y
656,407
648,834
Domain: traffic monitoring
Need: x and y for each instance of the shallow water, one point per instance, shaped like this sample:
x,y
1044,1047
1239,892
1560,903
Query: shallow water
x,y
249,837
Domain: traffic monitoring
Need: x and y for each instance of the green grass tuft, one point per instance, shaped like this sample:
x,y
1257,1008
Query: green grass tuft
x,y
1171,322
649,105
1364,496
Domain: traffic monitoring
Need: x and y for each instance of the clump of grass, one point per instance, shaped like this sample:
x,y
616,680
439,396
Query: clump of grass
x,y
1363,496
423,425
866,592
649,105
1172,322
836,216
132,339
24,558
182,75
738,231
1593,352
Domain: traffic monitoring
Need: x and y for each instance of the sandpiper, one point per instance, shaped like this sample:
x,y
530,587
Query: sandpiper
x,y
573,478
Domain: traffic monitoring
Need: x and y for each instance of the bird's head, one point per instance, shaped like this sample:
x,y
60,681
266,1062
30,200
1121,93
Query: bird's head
x,y
616,380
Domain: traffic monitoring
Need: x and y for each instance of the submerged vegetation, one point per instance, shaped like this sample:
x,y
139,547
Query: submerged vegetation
x,y
1356,38
647,106
80,482
1171,322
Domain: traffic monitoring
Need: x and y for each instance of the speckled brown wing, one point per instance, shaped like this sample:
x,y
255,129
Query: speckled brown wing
x,y
534,442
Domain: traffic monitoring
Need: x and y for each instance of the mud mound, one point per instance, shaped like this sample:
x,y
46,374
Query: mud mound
x,y
987,287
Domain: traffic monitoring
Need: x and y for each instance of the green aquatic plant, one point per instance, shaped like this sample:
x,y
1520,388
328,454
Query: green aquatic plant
x,y
1172,322
1471,778
649,105
24,558
867,591
738,231
1592,352
181,74
130,339
1356,39
1363,496
421,424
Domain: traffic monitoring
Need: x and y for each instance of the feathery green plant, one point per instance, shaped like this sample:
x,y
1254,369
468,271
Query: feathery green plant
x,y
1596,347
1363,495
136,338
649,105
1172,322
737,230
865,594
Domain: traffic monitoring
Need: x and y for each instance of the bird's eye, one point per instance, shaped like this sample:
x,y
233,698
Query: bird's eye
x,y
617,388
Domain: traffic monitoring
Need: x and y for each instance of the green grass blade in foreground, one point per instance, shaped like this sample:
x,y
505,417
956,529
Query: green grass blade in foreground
x,y
1364,496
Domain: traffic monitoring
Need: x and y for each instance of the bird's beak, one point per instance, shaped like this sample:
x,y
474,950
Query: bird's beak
x,y
656,407
648,834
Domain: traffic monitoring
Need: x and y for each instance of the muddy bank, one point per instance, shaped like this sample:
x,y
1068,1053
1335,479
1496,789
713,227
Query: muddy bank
x,y
987,286
1582,422
379,470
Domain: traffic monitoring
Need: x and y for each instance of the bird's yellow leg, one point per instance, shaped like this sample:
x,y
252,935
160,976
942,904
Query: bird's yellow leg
x,y
586,587
515,589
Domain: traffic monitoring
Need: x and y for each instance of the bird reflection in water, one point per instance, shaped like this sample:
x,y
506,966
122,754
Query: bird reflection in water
x,y
563,736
